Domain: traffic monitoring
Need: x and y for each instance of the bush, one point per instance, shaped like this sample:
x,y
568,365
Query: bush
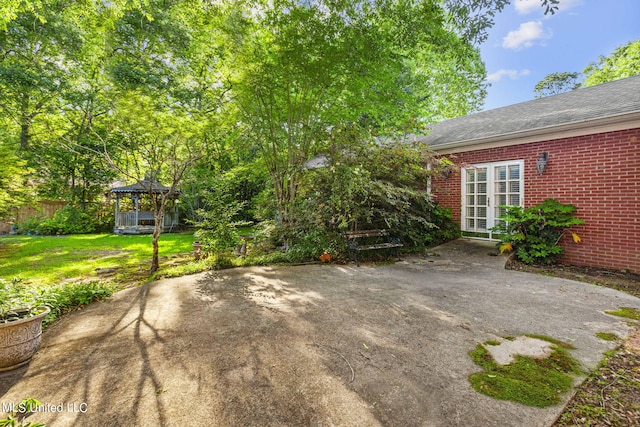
x,y
445,228
217,223
534,233
68,220
374,186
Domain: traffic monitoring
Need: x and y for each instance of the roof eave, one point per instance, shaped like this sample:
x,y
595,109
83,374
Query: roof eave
x,y
583,127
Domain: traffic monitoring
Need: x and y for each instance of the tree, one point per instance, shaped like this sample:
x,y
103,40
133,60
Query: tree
x,y
305,68
14,189
556,83
35,53
151,147
623,62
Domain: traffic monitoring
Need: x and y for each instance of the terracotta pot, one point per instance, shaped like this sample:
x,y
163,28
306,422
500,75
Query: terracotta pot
x,y
19,340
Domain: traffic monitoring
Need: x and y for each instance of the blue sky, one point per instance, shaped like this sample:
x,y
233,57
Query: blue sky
x,y
525,45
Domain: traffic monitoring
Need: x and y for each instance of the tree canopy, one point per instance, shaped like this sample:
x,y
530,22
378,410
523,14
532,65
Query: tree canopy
x,y
556,83
244,91
623,62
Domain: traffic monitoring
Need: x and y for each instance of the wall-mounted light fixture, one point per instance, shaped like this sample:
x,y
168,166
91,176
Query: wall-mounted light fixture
x,y
446,171
541,163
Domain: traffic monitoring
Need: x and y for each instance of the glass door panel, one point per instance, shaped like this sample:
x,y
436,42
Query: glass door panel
x,y
487,190
476,198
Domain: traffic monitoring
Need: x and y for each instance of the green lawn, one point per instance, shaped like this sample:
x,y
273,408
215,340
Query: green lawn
x,y
50,260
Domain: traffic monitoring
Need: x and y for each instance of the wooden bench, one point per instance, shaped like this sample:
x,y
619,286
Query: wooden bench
x,y
370,240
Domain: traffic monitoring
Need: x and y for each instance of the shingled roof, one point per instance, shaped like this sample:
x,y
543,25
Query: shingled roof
x,y
142,187
617,98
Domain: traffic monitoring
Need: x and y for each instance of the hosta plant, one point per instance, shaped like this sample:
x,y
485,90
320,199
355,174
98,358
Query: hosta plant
x,y
534,233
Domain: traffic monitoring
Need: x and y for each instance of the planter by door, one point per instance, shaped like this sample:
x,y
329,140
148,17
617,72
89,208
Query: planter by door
x,y
19,340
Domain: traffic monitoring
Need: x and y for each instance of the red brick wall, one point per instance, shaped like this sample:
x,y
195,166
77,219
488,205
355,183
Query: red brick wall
x,y
599,174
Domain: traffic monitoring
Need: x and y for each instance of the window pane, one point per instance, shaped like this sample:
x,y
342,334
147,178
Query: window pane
x,y
482,188
482,212
471,188
514,172
501,199
470,224
471,211
482,174
482,224
500,212
514,186
501,173
514,199
470,200
501,187
482,200
471,175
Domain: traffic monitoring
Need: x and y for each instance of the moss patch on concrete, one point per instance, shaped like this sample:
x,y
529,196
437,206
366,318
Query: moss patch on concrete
x,y
607,336
530,381
626,312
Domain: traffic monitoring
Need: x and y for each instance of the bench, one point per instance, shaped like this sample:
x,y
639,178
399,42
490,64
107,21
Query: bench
x,y
370,240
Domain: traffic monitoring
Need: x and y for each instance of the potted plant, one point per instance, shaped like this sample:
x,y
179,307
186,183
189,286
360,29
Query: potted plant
x,y
20,327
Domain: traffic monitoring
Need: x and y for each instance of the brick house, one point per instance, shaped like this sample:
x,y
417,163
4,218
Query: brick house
x,y
590,141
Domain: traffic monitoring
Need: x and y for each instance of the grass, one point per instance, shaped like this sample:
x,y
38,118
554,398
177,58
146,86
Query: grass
x,y
532,382
61,272
48,260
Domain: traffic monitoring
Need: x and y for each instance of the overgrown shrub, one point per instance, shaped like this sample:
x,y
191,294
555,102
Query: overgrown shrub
x,y
533,233
375,186
445,228
68,220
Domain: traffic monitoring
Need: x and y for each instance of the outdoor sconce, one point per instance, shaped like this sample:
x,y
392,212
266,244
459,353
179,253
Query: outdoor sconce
x,y
541,163
446,172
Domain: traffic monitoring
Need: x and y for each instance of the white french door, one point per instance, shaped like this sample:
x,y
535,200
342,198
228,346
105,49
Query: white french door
x,y
486,188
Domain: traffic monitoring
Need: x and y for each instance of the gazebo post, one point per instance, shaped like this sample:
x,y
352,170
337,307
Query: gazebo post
x,y
117,210
135,199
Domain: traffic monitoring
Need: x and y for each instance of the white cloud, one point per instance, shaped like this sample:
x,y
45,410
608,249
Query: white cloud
x,y
565,5
525,35
525,7
512,74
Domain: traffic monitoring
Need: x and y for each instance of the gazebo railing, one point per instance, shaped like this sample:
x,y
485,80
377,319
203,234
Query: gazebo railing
x,y
128,219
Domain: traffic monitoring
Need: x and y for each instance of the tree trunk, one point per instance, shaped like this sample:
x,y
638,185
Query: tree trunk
x,y
158,217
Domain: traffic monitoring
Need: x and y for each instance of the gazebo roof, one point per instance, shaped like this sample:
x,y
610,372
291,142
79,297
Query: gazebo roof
x,y
142,187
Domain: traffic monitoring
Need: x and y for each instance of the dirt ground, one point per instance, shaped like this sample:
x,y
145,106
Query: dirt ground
x,y
317,345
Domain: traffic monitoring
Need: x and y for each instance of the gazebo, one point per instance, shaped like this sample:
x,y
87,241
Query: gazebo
x,y
140,219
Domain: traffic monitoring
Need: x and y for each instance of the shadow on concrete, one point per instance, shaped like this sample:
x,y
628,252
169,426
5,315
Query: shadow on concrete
x,y
10,378
310,345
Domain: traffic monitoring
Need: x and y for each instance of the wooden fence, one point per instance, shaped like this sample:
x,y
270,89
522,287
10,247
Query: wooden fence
x,y
44,208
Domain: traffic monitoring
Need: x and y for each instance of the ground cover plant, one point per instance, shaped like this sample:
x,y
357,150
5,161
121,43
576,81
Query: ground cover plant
x,y
60,299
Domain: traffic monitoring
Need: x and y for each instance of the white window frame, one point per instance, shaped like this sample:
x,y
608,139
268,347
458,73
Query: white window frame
x,y
491,206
